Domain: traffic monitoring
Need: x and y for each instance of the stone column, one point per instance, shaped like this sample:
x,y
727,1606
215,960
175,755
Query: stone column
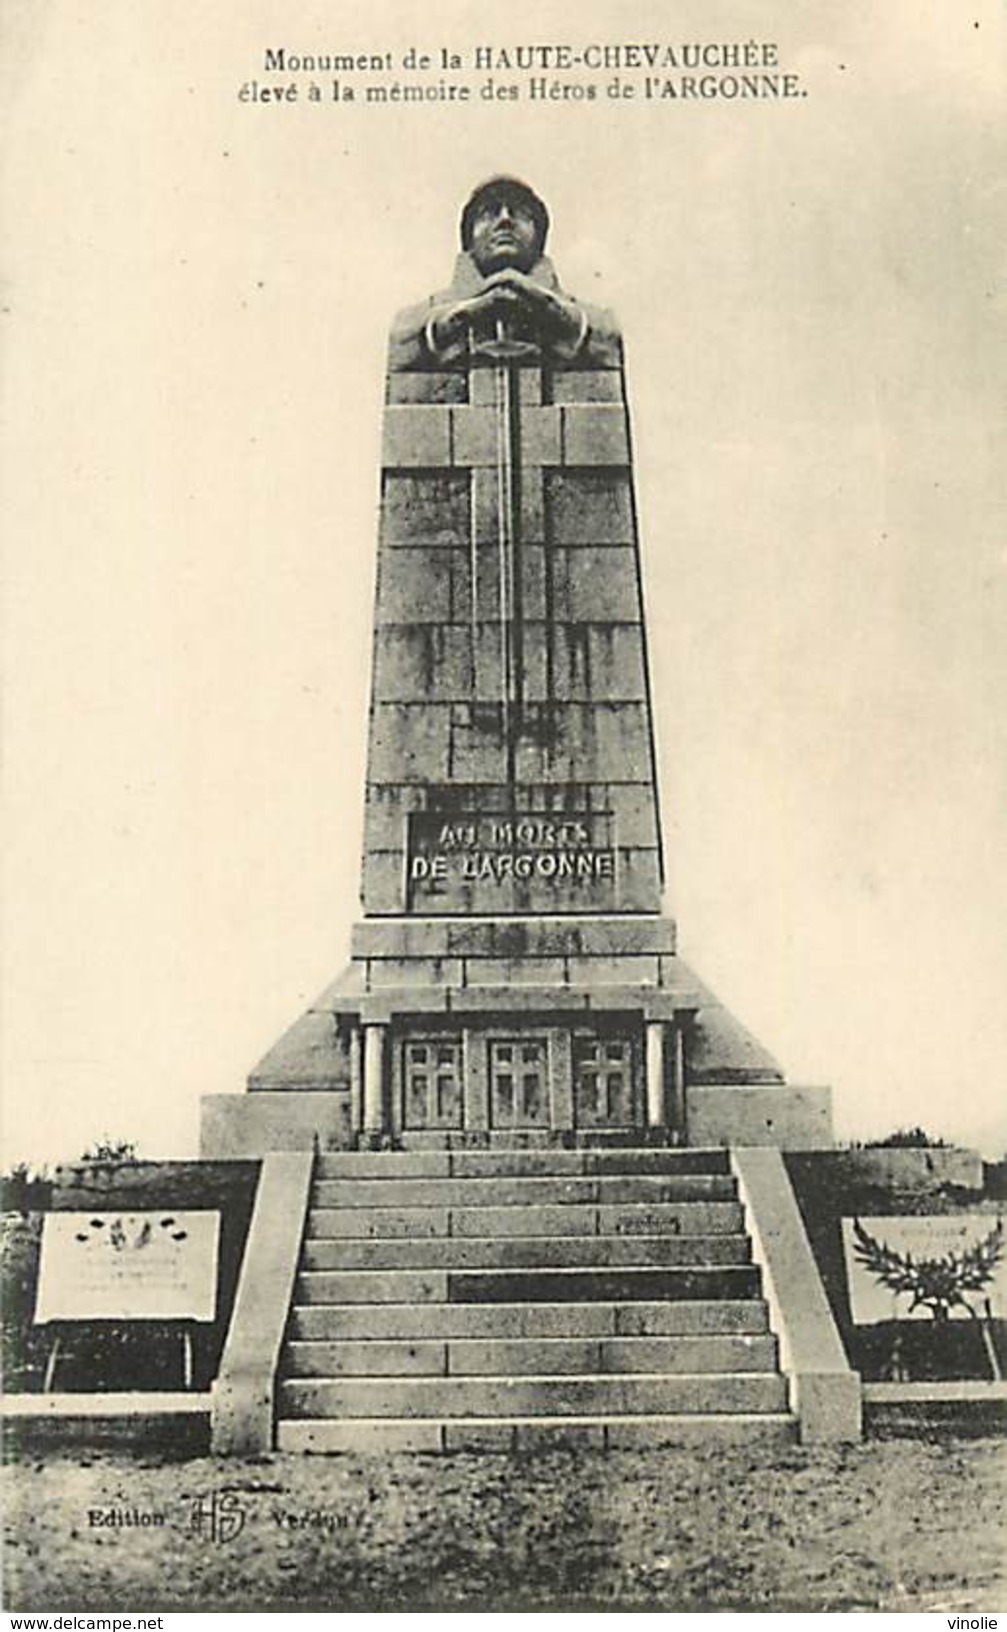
x,y
356,1082
676,1085
374,1080
655,1074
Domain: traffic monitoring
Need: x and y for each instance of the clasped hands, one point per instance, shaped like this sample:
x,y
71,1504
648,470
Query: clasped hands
x,y
510,293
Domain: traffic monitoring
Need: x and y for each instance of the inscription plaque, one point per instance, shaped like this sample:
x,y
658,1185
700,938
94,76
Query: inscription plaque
x,y
128,1266
510,861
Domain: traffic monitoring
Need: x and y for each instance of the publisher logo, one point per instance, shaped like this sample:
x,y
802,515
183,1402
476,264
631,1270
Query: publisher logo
x,y
217,1517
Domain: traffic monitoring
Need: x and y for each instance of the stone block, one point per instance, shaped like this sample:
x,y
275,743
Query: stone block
x,y
589,507
596,740
416,436
337,1222
483,606
541,1219
533,569
608,1285
486,1000
595,435
550,1160
379,1286
475,436
670,1218
594,584
546,937
377,1164
655,1189
829,1407
635,808
787,1118
488,684
410,742
515,971
417,585
387,807
642,1002
234,1127
383,887
424,661
582,662
485,390
724,1353
485,514
640,888
476,748
438,972
530,387
613,971
691,1318
404,938
656,1159
358,1358
426,386
484,387
587,385
533,529
425,507
541,442
359,1437
381,1007
447,1321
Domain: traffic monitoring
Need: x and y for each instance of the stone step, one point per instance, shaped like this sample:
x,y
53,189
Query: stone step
x,y
523,1251
524,1285
529,1396
409,1321
540,1139
640,1218
382,1436
477,1164
523,1356
602,1189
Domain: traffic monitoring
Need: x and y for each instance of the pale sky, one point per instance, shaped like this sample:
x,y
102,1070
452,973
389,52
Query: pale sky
x,y
198,294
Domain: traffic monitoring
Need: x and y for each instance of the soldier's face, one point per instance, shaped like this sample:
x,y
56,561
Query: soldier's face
x,y
504,233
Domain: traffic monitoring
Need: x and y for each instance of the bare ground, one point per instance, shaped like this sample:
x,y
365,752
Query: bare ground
x,y
888,1525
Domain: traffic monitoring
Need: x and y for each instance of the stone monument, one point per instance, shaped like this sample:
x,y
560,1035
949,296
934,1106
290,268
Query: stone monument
x,y
460,1266
514,978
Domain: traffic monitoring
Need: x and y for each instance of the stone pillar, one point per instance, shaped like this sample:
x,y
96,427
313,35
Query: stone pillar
x,y
655,1074
561,1114
475,1070
374,1080
356,1082
676,1084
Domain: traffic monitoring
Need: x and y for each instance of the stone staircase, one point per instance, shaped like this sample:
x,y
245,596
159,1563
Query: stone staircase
x,y
489,1299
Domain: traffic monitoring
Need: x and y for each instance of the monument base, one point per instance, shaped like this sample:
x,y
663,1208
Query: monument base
x,y
448,1033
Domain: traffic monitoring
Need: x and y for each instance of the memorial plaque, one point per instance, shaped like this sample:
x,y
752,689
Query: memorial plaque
x,y
905,1268
128,1266
502,861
